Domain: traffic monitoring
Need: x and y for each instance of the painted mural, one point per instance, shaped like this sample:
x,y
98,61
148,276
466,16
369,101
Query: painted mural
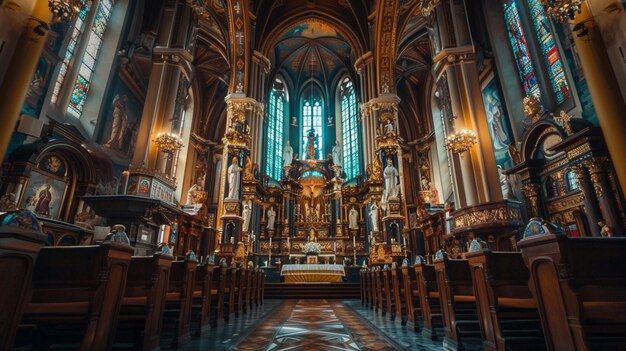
x,y
499,128
121,123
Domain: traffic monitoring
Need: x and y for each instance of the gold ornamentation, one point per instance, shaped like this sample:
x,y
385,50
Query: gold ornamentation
x,y
562,10
65,10
168,143
461,141
428,6
532,107
565,121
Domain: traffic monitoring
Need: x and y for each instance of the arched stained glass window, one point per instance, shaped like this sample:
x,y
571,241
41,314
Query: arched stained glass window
x,y
520,49
549,50
312,119
275,117
349,130
77,31
90,57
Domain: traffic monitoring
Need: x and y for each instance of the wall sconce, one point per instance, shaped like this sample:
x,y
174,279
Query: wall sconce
x,y
461,141
561,10
168,143
65,10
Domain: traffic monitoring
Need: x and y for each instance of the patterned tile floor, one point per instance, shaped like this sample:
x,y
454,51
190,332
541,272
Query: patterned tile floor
x,y
324,325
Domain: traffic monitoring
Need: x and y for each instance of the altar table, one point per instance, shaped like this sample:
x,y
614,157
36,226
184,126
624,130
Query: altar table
x,y
313,273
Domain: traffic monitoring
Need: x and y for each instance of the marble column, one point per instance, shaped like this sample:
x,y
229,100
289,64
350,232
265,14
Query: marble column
x,y
604,88
602,186
22,63
590,201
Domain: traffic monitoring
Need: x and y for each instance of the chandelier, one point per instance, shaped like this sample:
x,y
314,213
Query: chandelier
x,y
461,141
168,143
65,10
561,10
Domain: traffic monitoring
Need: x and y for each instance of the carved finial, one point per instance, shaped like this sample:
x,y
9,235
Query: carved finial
x,y
565,121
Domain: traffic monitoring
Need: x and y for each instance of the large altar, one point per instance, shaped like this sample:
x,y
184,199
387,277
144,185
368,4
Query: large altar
x,y
313,273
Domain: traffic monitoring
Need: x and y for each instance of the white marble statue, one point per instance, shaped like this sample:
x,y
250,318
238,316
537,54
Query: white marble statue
x,y
287,154
234,177
318,212
392,184
337,158
389,127
246,213
353,218
374,217
271,217
505,184
192,189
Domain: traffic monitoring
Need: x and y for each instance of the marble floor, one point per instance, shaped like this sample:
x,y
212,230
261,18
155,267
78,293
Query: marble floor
x,y
325,325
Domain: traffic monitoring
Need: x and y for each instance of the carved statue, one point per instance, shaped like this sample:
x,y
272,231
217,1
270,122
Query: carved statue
x,y
337,159
192,191
271,217
389,127
234,176
7,203
246,213
392,185
318,213
353,218
434,193
120,122
565,121
505,184
287,154
514,154
605,230
374,216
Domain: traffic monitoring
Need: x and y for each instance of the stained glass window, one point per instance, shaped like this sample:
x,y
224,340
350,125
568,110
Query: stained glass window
x,y
349,130
70,52
572,182
520,49
549,50
275,117
90,56
312,119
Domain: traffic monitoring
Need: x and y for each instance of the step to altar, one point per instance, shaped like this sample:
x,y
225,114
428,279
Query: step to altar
x,y
331,291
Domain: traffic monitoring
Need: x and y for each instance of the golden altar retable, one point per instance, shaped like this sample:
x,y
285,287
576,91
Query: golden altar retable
x,y
313,273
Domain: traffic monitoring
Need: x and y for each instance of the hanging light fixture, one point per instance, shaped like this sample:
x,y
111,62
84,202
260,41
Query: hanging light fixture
x,y
168,143
562,10
461,141
65,10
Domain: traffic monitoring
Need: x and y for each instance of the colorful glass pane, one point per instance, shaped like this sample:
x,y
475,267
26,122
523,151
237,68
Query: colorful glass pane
x,y
69,52
350,142
90,57
273,162
312,118
549,50
520,49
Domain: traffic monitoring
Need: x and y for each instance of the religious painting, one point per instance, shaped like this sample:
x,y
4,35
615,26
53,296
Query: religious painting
x,y
144,186
43,195
53,164
37,86
498,122
121,121
133,183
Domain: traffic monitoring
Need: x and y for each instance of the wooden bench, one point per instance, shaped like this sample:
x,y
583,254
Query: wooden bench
x,y
367,288
508,313
77,293
261,282
141,314
254,292
218,295
458,303
228,303
240,278
428,293
18,253
177,315
200,311
390,305
580,288
381,301
411,297
247,301
399,298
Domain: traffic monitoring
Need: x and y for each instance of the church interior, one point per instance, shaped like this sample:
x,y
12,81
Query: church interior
x,y
312,175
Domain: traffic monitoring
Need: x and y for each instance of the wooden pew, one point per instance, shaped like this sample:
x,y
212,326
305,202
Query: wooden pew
x,y
373,283
247,302
177,315
367,289
507,311
230,282
141,314
380,292
411,297
77,292
580,288
458,304
254,302
399,298
240,275
390,305
18,253
218,295
261,286
362,287
200,311
428,292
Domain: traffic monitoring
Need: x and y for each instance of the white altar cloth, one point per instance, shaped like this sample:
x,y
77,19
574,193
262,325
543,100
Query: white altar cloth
x,y
311,273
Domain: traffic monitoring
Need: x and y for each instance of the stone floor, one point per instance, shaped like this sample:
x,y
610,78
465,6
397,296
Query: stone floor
x,y
325,325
